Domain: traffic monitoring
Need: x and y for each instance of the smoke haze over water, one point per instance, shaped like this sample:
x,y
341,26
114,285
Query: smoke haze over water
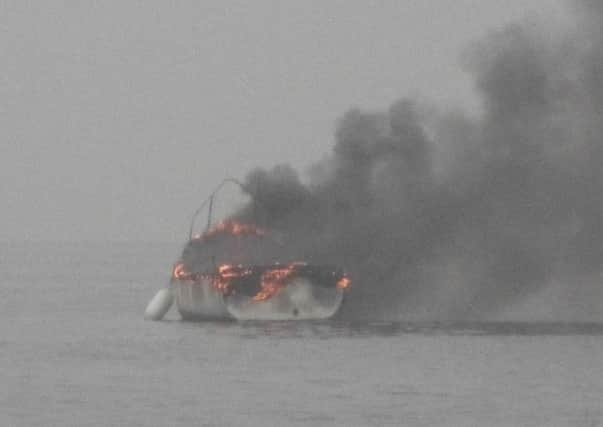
x,y
438,215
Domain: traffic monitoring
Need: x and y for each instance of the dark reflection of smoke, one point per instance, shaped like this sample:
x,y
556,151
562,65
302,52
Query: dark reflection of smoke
x,y
450,217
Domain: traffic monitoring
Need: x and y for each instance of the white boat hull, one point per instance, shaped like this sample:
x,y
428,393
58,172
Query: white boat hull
x,y
199,300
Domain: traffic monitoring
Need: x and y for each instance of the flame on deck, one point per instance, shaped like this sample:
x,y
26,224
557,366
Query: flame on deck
x,y
344,283
275,280
180,273
226,275
260,283
232,228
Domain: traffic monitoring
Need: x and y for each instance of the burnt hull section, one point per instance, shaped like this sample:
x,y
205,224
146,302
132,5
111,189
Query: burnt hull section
x,y
302,298
249,280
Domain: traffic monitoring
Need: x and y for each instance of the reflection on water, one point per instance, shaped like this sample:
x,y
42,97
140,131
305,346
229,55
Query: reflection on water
x,y
333,329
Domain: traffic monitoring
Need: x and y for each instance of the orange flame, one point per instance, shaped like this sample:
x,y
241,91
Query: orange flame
x,y
232,228
272,281
181,273
226,274
344,283
275,280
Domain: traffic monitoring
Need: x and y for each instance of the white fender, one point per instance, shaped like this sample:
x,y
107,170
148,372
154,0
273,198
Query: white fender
x,y
159,305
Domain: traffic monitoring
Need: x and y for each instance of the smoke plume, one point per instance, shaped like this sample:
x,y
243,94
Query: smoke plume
x,y
439,215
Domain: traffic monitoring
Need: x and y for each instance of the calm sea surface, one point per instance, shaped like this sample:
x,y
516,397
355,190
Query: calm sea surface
x,y
75,351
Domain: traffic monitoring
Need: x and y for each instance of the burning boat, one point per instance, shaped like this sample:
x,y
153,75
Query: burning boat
x,y
237,270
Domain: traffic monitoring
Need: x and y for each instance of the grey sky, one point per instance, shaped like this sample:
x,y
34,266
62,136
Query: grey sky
x,y
117,119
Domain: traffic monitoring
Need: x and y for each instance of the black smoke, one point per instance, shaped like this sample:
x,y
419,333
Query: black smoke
x,y
440,215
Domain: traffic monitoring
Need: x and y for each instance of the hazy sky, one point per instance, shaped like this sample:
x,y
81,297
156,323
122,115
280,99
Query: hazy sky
x,y
117,119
